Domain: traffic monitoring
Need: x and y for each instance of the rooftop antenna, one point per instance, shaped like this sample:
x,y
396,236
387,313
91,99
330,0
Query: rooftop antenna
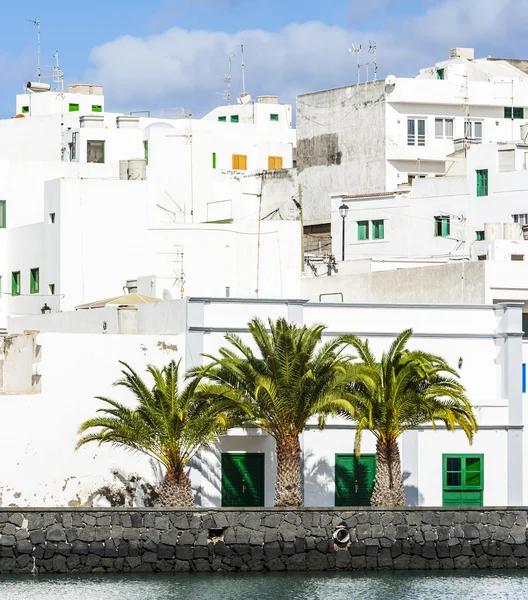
x,y
356,49
373,49
37,23
243,69
227,79
58,75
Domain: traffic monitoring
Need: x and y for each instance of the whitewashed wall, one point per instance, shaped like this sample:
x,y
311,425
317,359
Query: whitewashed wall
x,y
39,465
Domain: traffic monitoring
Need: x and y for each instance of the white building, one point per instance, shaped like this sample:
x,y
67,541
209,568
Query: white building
x,y
44,378
379,137
456,239
90,199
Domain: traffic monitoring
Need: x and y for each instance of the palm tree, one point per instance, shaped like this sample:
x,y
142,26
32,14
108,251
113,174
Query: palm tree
x,y
406,389
280,390
168,424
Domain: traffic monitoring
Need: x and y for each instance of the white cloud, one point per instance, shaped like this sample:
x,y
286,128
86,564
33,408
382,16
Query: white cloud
x,y
185,68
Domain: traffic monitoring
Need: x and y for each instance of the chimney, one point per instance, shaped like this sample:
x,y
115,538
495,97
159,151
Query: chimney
x,y
467,53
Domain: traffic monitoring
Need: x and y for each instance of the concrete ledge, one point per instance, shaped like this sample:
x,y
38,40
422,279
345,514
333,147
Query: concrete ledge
x,y
100,540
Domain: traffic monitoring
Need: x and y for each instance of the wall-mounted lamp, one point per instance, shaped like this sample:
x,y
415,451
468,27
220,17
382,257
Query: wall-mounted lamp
x,y
45,310
460,362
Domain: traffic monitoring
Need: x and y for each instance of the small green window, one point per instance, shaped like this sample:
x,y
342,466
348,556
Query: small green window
x,y
73,107
15,283
34,281
378,229
145,150
363,230
274,117
442,226
463,479
214,160
97,108
2,214
234,119
440,74
482,182
513,112
25,110
480,236
222,119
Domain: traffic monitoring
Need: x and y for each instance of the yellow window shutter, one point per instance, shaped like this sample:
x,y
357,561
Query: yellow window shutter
x,y
242,162
235,161
274,162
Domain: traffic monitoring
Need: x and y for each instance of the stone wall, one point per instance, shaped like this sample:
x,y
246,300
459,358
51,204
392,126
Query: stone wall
x,y
161,540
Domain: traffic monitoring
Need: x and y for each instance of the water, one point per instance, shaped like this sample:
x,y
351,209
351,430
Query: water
x,y
504,585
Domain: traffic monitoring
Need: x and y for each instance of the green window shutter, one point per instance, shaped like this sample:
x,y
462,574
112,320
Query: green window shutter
x,y
2,214
482,182
446,226
362,232
274,117
222,119
354,479
507,112
480,236
242,479
15,283
518,113
234,119
440,74
146,150
97,108
214,160
73,107
462,479
34,281
378,229
25,110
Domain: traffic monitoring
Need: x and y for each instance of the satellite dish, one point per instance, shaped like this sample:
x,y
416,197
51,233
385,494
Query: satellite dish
x,y
390,81
243,98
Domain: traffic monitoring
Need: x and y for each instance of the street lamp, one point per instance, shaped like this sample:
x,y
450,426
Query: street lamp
x,y
45,310
343,211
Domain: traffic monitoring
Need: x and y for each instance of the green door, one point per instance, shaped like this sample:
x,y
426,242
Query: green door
x,y
354,479
242,479
463,479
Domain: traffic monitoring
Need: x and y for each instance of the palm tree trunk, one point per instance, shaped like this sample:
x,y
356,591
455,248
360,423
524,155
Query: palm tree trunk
x,y
288,490
388,484
176,490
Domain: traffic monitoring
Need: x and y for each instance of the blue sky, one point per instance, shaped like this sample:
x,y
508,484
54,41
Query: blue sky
x,y
173,53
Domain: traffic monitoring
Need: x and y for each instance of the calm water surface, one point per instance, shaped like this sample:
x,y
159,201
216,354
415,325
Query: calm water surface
x,y
270,586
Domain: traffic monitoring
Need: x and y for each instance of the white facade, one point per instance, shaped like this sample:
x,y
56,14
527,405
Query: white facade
x,y
446,218
486,338
382,136
73,231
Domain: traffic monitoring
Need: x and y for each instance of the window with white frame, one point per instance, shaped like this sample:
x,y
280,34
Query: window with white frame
x,y
521,219
444,129
473,130
415,132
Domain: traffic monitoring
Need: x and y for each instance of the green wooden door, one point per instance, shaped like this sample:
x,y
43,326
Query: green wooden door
x,y
463,479
242,479
354,479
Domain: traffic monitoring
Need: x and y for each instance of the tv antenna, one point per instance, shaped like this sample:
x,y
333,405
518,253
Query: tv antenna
x,y
227,79
356,49
58,75
373,49
243,70
37,23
